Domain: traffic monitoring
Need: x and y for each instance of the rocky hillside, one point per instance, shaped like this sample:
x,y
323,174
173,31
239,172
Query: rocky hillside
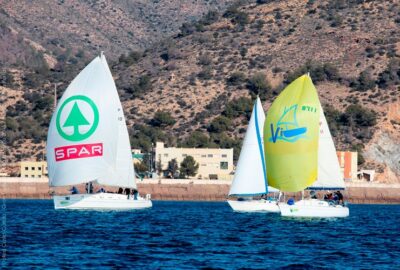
x,y
195,88
47,42
56,27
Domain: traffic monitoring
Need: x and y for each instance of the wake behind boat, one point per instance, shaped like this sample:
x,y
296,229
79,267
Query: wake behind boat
x,y
88,142
250,178
308,159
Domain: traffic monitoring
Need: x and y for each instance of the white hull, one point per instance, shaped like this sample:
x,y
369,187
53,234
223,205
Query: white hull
x,y
254,206
100,201
313,208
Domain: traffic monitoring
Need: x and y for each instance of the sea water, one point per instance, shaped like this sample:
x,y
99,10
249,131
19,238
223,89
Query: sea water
x,y
196,235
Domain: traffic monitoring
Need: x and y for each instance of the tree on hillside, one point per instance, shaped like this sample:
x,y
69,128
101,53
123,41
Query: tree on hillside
x,y
356,114
238,107
219,124
162,119
196,139
259,85
236,78
364,82
189,167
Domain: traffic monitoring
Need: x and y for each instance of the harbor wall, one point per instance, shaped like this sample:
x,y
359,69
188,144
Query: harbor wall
x,y
193,190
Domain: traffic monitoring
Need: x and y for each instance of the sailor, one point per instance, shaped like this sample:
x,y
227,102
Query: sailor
x,y
339,197
128,192
89,188
290,201
135,194
313,195
74,190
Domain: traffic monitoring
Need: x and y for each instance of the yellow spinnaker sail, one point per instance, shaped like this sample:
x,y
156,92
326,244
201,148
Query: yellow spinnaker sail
x,y
291,133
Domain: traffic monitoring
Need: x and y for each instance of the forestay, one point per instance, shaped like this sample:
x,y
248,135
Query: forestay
x,y
88,139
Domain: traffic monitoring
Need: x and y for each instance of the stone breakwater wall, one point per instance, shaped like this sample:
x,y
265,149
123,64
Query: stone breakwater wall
x,y
193,190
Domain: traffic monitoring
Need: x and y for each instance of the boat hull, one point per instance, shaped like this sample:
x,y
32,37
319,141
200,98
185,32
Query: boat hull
x,y
313,208
254,206
100,201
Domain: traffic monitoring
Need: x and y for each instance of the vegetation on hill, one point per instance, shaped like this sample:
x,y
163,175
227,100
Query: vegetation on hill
x,y
196,88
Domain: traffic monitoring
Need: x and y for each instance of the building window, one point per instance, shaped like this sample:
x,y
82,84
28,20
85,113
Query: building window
x,y
184,155
33,168
223,165
26,168
203,155
210,155
224,155
203,164
32,176
26,175
165,155
39,168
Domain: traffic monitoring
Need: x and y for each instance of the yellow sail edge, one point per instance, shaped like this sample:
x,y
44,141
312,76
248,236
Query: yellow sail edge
x,y
291,133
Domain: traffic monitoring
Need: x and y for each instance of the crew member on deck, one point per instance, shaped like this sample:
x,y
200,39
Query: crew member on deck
x,y
74,190
128,192
135,194
313,194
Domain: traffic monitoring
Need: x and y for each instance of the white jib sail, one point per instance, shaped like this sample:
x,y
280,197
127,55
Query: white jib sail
x,y
250,176
125,170
86,140
329,174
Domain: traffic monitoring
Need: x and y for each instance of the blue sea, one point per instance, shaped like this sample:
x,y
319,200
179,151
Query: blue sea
x,y
196,235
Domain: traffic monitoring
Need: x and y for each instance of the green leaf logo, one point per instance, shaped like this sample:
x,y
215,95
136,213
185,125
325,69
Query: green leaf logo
x,y
76,118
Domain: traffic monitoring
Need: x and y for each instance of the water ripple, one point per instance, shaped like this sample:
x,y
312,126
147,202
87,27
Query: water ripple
x,y
191,235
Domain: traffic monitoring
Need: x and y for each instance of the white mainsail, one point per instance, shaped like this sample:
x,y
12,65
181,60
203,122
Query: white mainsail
x,y
88,139
329,174
250,176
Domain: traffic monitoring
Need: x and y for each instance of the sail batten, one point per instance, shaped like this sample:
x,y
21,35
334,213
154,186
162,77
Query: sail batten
x,y
88,138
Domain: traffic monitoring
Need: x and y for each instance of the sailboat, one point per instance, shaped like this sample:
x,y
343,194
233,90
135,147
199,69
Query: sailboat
x,y
250,177
302,155
88,142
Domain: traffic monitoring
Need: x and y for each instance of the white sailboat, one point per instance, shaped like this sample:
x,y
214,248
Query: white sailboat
x,y
250,177
329,178
88,142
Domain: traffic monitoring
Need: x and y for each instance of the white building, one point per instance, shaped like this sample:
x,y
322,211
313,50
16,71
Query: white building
x,y
214,163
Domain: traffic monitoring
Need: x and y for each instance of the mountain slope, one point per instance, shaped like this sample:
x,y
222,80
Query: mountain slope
x,y
350,48
115,27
